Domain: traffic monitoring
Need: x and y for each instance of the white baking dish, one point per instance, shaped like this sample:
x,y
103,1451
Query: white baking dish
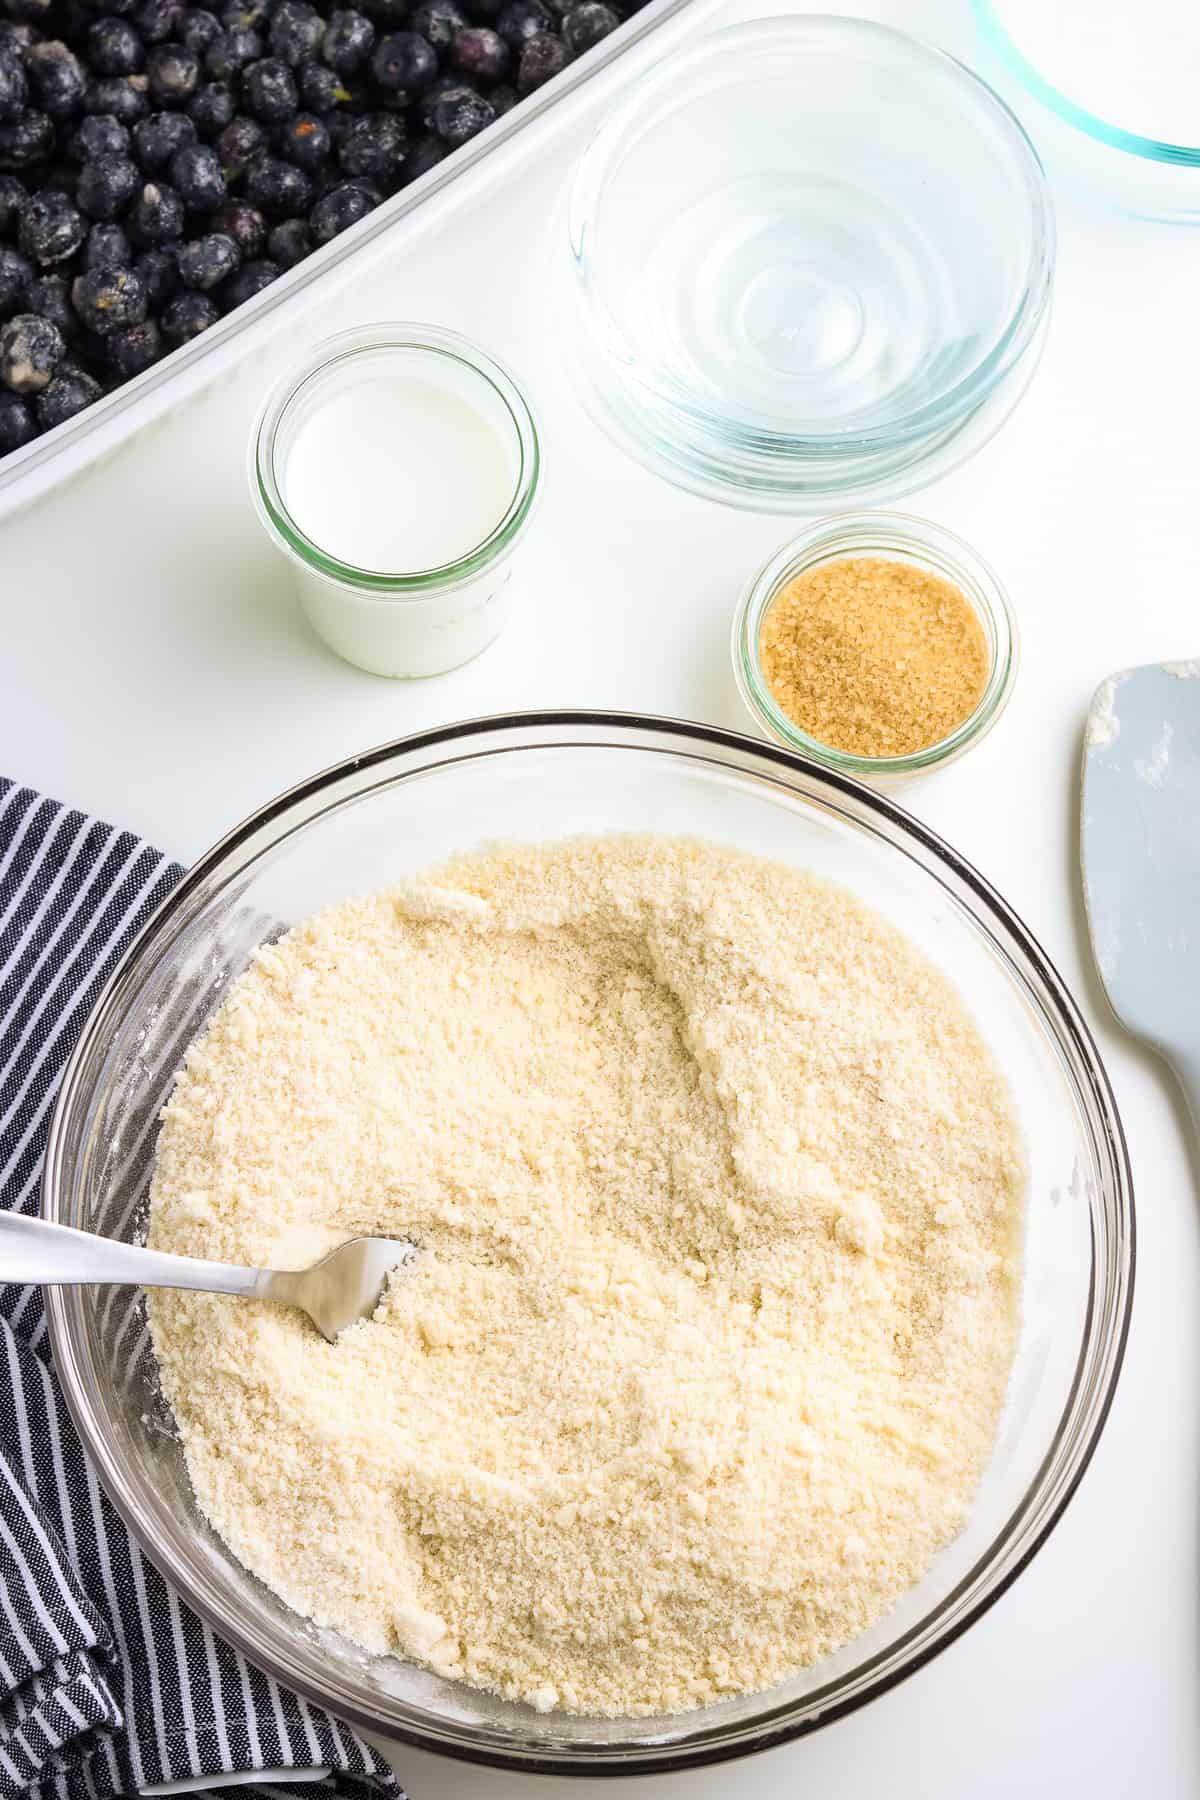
x,y
27,474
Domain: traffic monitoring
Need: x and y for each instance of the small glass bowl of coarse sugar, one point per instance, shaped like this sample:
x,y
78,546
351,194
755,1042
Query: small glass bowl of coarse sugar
x,y
878,643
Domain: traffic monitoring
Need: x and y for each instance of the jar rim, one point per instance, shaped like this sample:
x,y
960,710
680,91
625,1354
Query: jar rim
x,y
900,537
345,347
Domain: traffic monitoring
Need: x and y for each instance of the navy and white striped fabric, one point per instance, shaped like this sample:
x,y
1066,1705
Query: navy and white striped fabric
x,y
108,1684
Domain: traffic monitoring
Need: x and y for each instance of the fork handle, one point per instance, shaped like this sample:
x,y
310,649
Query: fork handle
x,y
57,1256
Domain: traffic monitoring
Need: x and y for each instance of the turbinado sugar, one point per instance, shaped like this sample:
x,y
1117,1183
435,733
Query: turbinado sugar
x,y
874,657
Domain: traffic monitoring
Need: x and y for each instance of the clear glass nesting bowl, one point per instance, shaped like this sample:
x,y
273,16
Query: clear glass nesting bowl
x,y
811,256
362,825
895,537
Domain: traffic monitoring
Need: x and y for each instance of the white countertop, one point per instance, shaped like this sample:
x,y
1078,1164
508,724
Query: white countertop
x,y
153,669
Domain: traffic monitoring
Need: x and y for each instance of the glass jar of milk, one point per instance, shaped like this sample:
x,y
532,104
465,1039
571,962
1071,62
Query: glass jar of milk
x,y
397,468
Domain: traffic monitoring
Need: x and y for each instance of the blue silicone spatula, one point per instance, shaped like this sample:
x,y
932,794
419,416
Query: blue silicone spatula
x,y
1140,845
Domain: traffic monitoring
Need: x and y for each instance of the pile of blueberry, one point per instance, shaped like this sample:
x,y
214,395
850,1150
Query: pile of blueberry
x,y
161,163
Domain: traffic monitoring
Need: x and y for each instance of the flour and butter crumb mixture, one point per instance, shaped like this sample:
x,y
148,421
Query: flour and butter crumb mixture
x,y
718,1194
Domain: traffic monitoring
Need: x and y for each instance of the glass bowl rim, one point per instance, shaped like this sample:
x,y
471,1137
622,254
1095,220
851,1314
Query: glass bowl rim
x,y
732,750
1134,143
863,534
803,490
608,141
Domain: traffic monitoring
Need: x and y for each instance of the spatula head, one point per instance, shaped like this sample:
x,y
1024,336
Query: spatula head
x,y
1141,850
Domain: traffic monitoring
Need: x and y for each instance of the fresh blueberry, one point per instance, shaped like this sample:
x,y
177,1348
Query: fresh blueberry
x,y
16,273
425,154
249,280
445,84
232,52
542,58
269,90
277,186
107,299
156,216
246,15
107,185
460,114
374,146
211,108
99,134
277,123
289,242
16,423
439,21
295,32
404,63
157,138
134,348
159,270
107,247
68,394
199,30
57,77
340,208
158,20
238,145
238,220
187,315
28,138
321,89
305,140
114,48
51,230
196,173
13,195
17,34
481,53
50,298
173,74
522,20
124,96
14,88
338,125
348,41
30,350
586,24
206,261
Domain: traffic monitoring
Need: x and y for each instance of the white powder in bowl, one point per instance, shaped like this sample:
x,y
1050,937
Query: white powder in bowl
x,y
719,1196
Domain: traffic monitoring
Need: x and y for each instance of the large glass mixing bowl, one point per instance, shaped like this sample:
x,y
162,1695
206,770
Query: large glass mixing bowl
x,y
810,257
368,822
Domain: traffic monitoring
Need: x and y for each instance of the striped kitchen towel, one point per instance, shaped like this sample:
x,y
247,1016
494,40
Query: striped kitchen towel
x,y
109,1684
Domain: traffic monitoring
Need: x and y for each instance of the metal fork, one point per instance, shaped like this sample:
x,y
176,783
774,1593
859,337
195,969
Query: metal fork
x,y
343,1287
